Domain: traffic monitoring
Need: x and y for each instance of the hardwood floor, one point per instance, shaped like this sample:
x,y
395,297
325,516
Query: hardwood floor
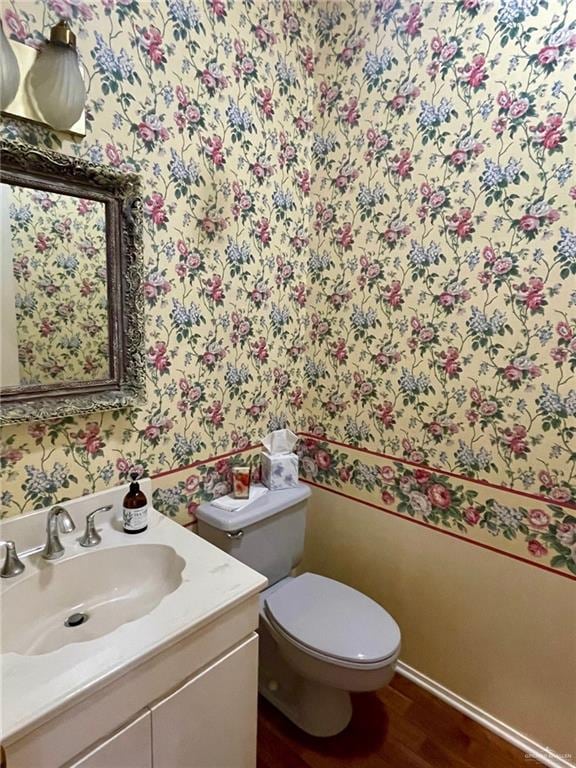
x,y
401,726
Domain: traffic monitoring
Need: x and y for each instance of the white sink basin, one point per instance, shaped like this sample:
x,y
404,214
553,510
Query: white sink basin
x,y
107,587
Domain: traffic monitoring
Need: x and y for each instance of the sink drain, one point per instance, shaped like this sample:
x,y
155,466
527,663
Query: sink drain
x,y
75,619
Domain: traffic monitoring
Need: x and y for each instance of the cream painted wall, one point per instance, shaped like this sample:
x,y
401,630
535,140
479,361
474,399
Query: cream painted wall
x,y
497,632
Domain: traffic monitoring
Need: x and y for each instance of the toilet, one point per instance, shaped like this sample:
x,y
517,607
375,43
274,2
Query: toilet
x,y
320,640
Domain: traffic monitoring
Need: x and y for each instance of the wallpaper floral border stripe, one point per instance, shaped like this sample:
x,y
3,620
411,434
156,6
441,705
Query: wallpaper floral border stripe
x,y
488,547
178,493
544,535
540,497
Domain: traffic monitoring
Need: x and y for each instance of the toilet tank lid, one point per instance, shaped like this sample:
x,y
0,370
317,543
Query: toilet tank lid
x,y
265,506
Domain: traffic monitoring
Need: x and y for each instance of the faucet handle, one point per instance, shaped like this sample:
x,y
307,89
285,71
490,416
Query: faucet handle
x,y
91,537
12,563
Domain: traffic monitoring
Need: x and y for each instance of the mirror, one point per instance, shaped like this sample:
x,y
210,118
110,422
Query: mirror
x,y
71,301
54,310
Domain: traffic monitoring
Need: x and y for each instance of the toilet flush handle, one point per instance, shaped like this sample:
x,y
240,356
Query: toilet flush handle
x,y
235,534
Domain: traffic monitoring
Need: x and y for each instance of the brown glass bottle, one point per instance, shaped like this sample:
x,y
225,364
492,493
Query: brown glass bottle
x,y
135,508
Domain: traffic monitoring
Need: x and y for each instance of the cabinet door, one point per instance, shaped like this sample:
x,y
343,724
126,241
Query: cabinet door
x,y
210,722
129,748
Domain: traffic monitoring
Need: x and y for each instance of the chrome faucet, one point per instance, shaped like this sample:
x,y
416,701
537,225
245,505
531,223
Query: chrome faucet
x,y
12,563
58,518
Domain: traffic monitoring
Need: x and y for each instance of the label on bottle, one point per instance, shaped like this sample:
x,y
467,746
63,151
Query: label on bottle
x,y
135,519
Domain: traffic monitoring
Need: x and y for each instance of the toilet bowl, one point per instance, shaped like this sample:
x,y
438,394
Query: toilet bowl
x,y
320,639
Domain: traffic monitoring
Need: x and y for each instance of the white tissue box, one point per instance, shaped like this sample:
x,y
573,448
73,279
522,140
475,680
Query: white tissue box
x,y
279,470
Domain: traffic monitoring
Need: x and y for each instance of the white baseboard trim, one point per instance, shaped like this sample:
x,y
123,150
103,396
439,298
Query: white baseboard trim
x,y
531,748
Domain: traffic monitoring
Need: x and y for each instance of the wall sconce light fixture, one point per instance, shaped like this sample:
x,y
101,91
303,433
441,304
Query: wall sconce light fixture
x,y
9,71
44,86
55,80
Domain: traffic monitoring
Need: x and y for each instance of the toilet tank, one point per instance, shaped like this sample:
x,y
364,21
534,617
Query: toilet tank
x,y
267,535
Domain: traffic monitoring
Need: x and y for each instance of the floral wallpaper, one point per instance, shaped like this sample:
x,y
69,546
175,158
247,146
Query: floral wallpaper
x,y
359,222
442,274
61,301
211,103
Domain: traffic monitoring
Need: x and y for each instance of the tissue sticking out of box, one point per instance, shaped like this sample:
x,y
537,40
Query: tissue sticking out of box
x,y
280,441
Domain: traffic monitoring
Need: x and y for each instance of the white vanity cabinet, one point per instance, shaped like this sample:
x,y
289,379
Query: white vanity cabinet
x,y
130,747
209,722
184,708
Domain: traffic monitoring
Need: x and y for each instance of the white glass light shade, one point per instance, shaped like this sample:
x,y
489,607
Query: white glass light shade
x,y
56,85
9,71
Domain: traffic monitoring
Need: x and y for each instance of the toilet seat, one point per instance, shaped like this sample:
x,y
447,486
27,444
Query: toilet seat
x,y
334,622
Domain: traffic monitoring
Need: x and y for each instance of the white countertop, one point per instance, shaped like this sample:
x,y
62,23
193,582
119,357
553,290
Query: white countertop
x,y
36,687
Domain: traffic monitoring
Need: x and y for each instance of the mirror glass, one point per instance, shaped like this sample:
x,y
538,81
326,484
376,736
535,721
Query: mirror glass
x,y
71,274
54,292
